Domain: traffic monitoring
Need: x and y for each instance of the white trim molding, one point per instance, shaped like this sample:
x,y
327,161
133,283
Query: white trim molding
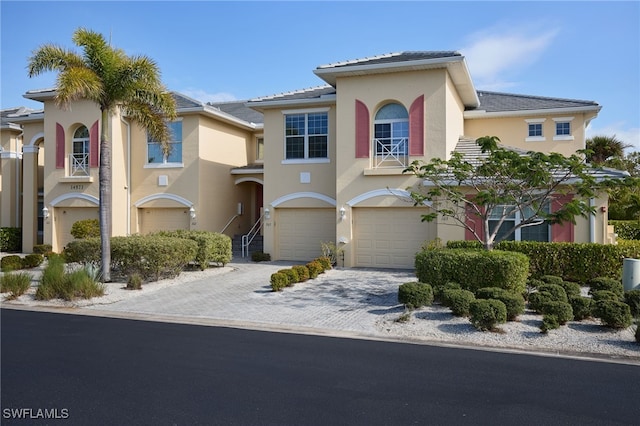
x,y
162,196
249,179
71,195
384,192
296,195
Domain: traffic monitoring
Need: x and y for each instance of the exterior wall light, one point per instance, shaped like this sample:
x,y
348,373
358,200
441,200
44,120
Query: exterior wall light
x,y
267,214
192,212
343,212
45,212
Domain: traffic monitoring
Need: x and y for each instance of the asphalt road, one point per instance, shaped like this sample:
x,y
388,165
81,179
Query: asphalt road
x,y
94,371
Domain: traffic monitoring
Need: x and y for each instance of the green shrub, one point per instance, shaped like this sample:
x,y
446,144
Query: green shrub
x,y
613,314
557,292
43,249
87,228
212,247
604,283
279,281
81,284
302,271
561,310
315,268
438,290
258,256
551,279
415,294
12,262
85,251
16,284
604,295
632,298
473,269
485,314
458,300
325,262
11,240
537,299
134,281
582,307
292,276
626,229
638,332
571,288
32,260
52,279
549,322
513,302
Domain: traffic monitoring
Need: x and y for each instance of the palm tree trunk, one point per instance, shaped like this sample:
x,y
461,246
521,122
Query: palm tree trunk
x,y
104,173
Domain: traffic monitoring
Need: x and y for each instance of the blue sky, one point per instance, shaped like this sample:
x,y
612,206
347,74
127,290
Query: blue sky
x,y
216,51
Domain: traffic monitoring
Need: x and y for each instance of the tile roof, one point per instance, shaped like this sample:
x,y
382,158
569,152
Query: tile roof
x,y
397,57
498,102
183,101
308,93
240,110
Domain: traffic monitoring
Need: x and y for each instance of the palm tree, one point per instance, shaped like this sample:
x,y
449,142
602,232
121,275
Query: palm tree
x,y
602,148
113,80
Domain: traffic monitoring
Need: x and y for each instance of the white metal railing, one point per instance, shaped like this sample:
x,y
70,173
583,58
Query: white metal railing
x,y
391,152
78,164
229,223
247,238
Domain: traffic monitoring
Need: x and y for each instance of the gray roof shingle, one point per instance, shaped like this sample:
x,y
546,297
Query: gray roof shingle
x,y
397,57
309,93
498,102
240,110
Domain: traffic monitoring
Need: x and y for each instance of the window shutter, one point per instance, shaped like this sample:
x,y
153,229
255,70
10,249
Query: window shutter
x,y
416,127
561,232
59,146
93,145
473,221
362,130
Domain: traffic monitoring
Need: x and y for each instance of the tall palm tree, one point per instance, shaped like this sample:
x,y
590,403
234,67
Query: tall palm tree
x,y
113,80
603,148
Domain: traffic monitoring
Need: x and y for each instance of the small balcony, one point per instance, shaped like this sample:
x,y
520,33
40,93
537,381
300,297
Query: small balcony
x,y
78,165
390,152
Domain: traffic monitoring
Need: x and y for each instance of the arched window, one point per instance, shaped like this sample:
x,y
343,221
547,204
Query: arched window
x,y
391,136
79,161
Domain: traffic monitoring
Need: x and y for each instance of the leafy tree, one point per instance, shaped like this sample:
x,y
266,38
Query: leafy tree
x,y
603,148
624,202
499,183
113,80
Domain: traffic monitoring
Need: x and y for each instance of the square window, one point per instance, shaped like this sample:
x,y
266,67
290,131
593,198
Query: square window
x,y
535,129
306,136
563,129
154,148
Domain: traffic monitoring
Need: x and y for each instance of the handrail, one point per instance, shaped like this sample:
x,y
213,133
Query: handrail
x,y
229,223
248,237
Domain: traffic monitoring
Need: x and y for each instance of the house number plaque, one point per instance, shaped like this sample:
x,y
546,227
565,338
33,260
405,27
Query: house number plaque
x,y
77,187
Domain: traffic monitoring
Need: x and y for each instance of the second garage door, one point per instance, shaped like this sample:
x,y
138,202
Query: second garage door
x,y
164,219
300,232
389,237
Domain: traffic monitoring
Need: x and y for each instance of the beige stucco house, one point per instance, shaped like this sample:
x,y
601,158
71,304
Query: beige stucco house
x,y
322,164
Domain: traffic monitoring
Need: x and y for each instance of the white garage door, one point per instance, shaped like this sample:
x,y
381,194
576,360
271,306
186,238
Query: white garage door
x,y
164,219
300,232
388,237
66,217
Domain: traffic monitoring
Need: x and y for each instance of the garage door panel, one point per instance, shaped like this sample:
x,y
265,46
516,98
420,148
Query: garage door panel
x,y
300,232
388,237
163,219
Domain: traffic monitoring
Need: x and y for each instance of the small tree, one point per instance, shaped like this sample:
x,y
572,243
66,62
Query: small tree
x,y
500,182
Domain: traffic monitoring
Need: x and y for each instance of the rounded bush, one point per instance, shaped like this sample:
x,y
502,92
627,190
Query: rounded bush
x,y
561,310
604,283
458,301
13,262
632,298
325,262
315,268
292,276
556,290
638,332
485,314
537,299
582,307
279,281
549,322
42,249
302,271
490,292
513,302
613,314
32,260
551,279
87,228
604,295
439,290
415,294
572,289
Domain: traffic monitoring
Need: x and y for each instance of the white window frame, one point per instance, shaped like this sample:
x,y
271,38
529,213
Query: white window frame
x,y
568,137
166,164
539,121
259,151
306,159
79,161
516,219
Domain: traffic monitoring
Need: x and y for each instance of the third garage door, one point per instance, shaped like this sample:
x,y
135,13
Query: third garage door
x,y
389,237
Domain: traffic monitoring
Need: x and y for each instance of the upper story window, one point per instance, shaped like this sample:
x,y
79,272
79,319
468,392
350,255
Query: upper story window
x,y
260,149
537,231
563,129
391,136
154,148
535,132
307,136
79,157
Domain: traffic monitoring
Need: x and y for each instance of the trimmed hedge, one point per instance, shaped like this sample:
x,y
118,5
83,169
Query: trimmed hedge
x,y
11,239
279,281
613,314
632,298
213,247
608,284
513,302
485,314
87,228
473,269
582,307
626,229
415,294
458,300
561,310
13,262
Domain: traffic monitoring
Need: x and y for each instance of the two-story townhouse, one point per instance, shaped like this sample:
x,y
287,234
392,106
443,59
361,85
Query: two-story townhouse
x,y
51,178
335,154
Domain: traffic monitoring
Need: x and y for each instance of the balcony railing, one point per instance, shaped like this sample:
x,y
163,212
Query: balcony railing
x,y
391,152
78,164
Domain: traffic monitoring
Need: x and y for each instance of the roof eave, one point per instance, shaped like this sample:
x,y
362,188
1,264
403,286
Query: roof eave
x,y
40,95
529,112
223,116
324,100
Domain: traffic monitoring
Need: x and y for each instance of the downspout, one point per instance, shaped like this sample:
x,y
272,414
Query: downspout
x,y
592,222
128,174
18,192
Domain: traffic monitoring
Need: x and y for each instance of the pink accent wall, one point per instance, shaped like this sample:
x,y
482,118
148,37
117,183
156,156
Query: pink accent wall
x,y
363,139
562,232
93,145
416,127
59,146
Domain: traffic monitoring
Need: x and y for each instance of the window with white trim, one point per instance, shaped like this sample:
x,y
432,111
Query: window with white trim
x,y
154,148
535,130
538,231
563,129
306,136
79,158
391,136
260,149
